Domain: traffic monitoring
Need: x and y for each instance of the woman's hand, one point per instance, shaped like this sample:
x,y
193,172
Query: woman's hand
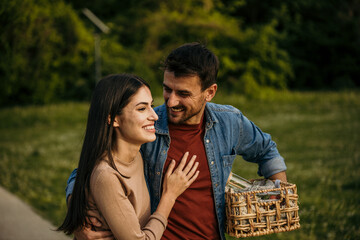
x,y
178,180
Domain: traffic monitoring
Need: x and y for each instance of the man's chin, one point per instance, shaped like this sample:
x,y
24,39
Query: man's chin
x,y
175,119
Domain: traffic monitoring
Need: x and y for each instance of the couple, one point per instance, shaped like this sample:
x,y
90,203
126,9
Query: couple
x,y
186,197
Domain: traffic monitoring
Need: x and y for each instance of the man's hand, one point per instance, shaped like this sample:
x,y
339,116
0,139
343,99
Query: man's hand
x,y
86,233
96,227
95,219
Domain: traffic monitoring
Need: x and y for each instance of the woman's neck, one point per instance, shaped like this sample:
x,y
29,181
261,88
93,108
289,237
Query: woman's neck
x,y
125,152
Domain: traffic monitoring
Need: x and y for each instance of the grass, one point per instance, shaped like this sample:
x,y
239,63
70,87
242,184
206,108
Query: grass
x,y
316,132
38,148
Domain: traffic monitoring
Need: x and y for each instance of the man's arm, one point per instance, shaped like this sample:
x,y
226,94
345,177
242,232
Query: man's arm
x,y
70,184
257,146
281,176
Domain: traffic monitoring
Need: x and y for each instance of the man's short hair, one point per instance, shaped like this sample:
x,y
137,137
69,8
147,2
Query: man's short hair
x,y
193,59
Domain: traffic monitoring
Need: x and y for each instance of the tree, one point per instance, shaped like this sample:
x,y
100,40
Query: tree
x,y
251,59
324,42
46,52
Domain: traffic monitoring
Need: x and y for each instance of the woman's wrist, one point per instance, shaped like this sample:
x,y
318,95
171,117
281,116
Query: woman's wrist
x,y
166,203
169,197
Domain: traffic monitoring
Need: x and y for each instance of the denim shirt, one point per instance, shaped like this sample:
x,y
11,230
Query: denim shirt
x,y
227,133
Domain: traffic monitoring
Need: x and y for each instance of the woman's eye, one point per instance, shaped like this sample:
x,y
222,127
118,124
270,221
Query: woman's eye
x,y
141,109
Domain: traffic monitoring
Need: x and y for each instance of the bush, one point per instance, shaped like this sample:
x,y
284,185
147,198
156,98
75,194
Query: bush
x,y
46,52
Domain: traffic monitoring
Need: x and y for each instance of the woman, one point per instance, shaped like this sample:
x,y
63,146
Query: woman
x,y
110,174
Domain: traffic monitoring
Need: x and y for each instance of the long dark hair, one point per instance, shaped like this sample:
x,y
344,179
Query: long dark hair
x,y
110,96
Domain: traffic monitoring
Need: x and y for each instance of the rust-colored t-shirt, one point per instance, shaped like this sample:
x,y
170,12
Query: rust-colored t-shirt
x,y
193,215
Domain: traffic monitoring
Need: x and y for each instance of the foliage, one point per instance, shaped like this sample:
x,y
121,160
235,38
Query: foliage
x,y
47,47
44,52
316,132
324,40
321,38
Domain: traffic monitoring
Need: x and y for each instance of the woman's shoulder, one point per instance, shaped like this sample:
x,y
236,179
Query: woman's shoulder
x,y
103,173
106,184
103,167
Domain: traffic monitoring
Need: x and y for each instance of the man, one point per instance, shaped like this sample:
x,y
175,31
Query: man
x,y
214,133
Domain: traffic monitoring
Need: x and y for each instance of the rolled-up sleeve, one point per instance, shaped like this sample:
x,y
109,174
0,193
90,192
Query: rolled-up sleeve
x,y
270,167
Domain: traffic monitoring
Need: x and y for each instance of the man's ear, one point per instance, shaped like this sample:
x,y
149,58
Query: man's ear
x,y
116,121
210,92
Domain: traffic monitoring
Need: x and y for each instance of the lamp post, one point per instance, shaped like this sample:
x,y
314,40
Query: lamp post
x,y
100,28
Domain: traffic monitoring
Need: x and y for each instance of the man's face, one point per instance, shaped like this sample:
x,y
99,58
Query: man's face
x,y
185,102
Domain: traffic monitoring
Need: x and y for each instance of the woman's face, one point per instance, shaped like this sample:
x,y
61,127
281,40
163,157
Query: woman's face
x,y
136,122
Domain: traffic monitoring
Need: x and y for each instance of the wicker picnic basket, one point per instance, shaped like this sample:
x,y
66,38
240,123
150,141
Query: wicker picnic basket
x,y
249,215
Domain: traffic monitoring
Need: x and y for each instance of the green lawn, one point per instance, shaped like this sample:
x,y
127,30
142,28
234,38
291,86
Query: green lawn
x,y
316,132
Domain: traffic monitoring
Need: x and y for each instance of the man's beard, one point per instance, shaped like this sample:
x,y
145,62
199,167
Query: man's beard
x,y
185,117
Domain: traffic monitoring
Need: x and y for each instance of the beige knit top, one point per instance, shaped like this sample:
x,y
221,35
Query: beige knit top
x,y
122,198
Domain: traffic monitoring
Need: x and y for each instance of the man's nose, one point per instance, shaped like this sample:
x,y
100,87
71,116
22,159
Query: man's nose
x,y
172,100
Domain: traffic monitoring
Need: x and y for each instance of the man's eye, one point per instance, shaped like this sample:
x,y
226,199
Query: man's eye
x,y
152,105
184,94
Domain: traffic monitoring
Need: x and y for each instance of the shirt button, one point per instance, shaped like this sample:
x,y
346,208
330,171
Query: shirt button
x,y
212,162
158,173
216,185
207,141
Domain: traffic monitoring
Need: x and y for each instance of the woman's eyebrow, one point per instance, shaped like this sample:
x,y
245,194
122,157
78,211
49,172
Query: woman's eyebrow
x,y
145,103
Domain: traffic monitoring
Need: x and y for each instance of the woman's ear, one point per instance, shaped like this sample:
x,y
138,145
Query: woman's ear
x,y
116,121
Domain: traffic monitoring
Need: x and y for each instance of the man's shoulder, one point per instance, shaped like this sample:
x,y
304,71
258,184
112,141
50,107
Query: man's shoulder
x,y
225,114
220,108
161,124
160,108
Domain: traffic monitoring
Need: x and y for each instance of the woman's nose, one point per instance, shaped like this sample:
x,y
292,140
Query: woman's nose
x,y
153,115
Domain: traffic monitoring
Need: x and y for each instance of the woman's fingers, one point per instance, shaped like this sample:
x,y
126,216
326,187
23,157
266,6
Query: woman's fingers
x,y
177,180
182,162
170,168
189,165
193,178
193,169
